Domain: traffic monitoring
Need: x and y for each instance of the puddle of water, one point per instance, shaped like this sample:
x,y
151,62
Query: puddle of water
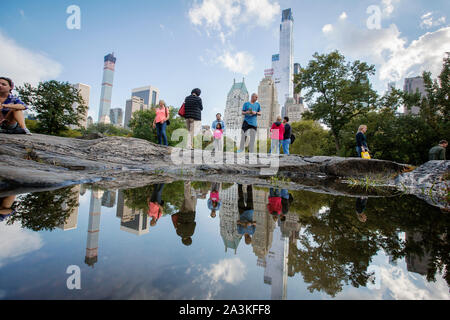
x,y
197,240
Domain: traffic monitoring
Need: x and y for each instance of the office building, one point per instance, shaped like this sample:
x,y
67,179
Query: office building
x,y
134,104
149,94
414,85
107,87
95,211
85,92
268,99
72,221
116,116
237,96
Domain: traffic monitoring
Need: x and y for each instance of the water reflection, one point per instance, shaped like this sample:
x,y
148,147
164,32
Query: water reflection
x,y
291,233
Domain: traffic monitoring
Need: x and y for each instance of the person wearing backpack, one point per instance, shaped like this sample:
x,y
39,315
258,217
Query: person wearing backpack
x,y
161,121
287,136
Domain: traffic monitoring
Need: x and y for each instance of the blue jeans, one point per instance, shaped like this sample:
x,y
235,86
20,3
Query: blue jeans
x,y
161,133
285,143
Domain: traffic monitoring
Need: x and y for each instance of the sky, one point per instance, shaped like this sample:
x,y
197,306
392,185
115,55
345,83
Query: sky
x,y
178,45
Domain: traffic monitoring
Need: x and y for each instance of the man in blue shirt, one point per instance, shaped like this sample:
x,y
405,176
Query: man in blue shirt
x,y
251,110
217,121
245,225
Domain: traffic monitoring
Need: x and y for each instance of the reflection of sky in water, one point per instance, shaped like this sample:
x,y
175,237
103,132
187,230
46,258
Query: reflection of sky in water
x,y
156,265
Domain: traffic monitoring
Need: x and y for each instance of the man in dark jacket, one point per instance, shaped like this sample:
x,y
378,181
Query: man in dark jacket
x,y
438,152
184,221
193,107
287,136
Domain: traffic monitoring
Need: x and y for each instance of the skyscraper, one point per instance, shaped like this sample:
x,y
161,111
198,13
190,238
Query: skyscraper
x,y
149,94
236,98
229,215
133,105
71,222
107,86
85,92
95,211
413,85
283,63
116,116
268,99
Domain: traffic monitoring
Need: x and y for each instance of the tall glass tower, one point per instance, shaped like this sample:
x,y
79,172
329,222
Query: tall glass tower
x,y
107,86
283,63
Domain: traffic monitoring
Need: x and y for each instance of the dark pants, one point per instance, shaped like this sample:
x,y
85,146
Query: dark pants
x,y
161,133
157,193
241,201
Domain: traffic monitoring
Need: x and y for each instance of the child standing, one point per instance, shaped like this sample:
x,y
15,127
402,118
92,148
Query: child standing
x,y
218,138
277,135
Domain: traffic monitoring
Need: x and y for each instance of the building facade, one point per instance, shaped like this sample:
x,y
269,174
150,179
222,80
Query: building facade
x,y
414,85
149,94
132,105
85,92
236,98
283,63
116,116
268,99
95,211
229,215
107,87
294,110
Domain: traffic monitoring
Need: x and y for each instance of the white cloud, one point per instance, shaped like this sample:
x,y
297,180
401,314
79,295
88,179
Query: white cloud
x,y
327,28
240,62
225,16
343,16
231,271
17,242
388,50
23,65
388,7
428,21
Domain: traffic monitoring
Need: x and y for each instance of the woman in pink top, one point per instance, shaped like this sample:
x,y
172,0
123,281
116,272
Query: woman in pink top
x,y
218,138
155,204
277,135
160,122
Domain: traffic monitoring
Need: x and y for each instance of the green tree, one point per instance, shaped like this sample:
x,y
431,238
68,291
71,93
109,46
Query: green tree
x,y
141,125
311,139
106,129
54,102
45,210
337,91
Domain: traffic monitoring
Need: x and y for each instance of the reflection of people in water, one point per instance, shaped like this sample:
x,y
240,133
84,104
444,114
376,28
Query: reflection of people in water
x,y
214,202
245,225
286,201
274,204
6,204
361,204
184,221
155,205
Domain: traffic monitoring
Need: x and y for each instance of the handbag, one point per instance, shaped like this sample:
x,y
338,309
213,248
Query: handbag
x,y
182,112
365,155
167,116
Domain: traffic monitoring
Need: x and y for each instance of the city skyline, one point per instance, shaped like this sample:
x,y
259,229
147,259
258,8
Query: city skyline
x,y
409,39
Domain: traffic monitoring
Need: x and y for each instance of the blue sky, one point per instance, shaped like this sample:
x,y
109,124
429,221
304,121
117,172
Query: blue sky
x,y
177,45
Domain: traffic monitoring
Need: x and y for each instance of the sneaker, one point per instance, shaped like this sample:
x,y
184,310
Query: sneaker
x,y
27,132
17,130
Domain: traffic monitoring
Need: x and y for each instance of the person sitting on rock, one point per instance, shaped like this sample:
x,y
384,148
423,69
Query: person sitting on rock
x,y
12,120
6,210
438,152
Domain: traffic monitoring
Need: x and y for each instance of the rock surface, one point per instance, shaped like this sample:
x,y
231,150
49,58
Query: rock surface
x,y
45,162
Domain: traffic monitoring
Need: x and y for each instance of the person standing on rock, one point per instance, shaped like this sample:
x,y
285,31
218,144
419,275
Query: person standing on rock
x,y
160,122
218,137
438,152
361,141
184,221
251,110
193,106
246,225
286,143
155,204
12,120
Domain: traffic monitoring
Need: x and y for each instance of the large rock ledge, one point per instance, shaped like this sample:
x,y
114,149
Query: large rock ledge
x,y
47,162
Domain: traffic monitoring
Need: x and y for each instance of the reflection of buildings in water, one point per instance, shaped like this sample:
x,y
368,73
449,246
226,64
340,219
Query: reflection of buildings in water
x,y
262,239
93,227
290,229
72,221
109,199
275,273
82,189
416,263
229,215
131,221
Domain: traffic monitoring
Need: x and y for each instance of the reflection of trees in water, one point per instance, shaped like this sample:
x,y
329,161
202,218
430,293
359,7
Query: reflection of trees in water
x,y
45,210
173,196
335,248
